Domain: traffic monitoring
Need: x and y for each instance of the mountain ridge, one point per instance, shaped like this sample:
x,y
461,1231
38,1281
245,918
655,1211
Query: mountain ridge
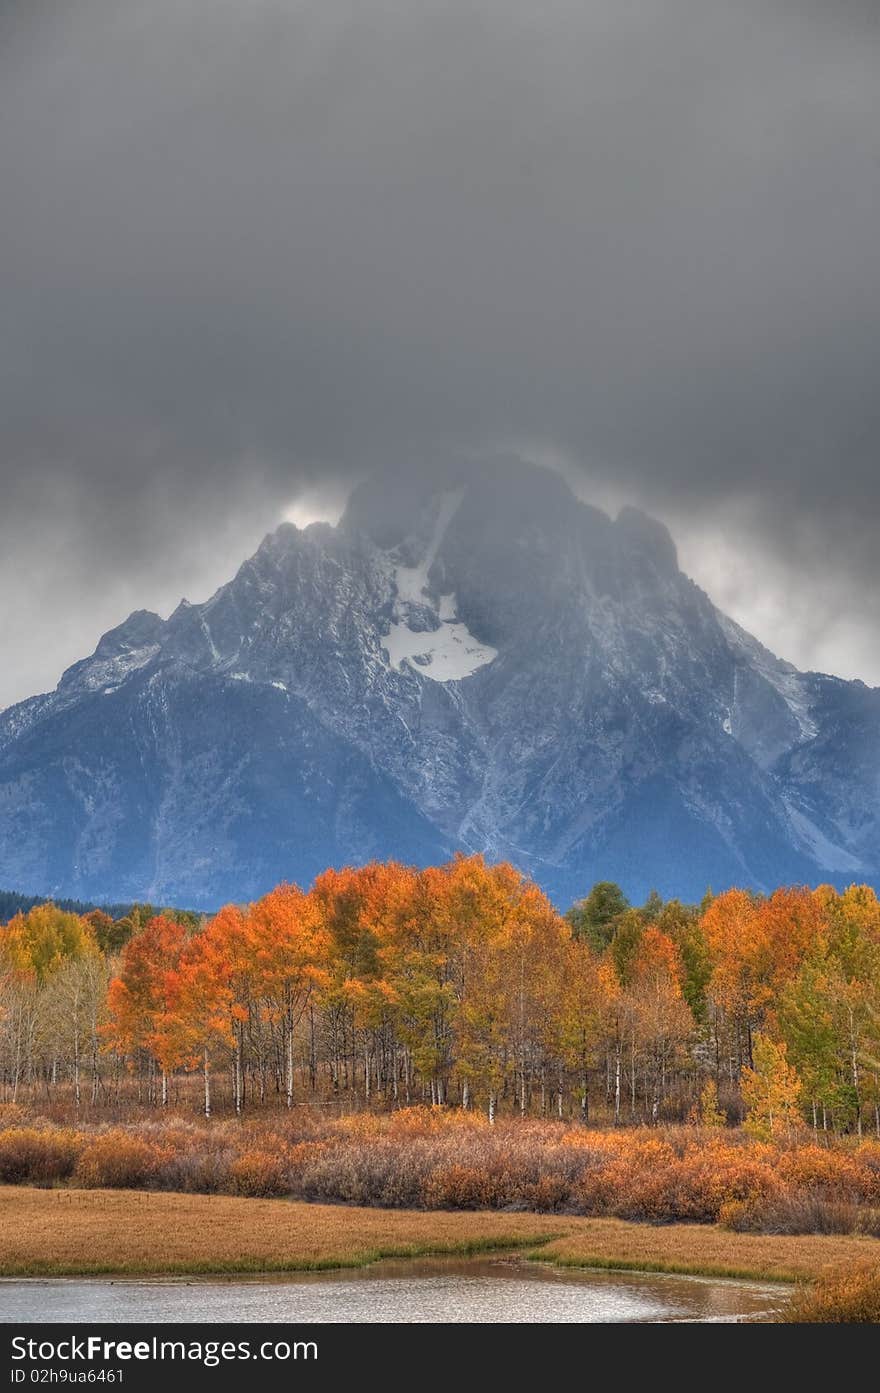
x,y
479,661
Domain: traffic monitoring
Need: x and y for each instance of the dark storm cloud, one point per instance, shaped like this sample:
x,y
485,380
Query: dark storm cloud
x,y
251,248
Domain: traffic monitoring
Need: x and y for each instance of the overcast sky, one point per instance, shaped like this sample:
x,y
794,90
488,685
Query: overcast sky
x,y
250,250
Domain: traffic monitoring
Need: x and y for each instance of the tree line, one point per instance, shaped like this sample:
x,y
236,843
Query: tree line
x,y
459,985
14,902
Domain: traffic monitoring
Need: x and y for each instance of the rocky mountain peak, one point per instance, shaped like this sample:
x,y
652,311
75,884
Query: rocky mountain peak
x,y
645,535
470,659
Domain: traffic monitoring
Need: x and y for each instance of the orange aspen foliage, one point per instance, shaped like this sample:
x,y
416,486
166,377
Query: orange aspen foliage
x,y
141,1000
289,945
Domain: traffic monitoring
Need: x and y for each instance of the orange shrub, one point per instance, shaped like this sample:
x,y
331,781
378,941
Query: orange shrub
x,y
29,1156
711,1176
547,1195
649,1181
867,1154
463,1187
631,1180
834,1172
582,1139
740,1216
411,1122
119,1161
259,1174
301,1153
438,1158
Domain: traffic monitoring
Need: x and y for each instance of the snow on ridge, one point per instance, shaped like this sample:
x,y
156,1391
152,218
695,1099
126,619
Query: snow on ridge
x,y
412,581
102,674
816,844
450,651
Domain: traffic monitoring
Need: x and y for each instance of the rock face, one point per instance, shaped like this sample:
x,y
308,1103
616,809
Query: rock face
x,y
487,665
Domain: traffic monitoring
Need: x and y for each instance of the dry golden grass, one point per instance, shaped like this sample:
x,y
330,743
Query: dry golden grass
x,y
850,1296
56,1232
706,1249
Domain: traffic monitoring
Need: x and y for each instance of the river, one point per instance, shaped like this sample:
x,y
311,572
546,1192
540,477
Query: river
x,y
478,1290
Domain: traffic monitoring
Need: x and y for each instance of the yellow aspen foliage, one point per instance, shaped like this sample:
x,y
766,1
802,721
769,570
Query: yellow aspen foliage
x,y
771,1091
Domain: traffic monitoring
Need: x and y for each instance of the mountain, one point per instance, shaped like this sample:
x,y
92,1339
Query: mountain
x,y
480,663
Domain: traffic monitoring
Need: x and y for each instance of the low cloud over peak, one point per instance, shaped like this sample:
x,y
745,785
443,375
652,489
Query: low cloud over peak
x,y
252,253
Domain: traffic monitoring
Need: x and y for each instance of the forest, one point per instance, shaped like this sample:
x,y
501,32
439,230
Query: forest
x,y
457,987
14,902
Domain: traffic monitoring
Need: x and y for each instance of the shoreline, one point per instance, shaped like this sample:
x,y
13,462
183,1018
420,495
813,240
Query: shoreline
x,y
127,1234
518,1261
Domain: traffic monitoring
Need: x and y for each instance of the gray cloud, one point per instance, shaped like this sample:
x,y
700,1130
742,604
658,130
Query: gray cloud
x,y
247,250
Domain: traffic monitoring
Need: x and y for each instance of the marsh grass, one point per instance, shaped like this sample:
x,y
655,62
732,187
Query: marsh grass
x,y
98,1232
850,1296
137,1233
702,1249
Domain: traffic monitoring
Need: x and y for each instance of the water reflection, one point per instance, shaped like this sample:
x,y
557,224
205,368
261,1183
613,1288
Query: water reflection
x,y
487,1290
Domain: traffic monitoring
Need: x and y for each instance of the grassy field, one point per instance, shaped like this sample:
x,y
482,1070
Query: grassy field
x,y
66,1232
77,1232
706,1249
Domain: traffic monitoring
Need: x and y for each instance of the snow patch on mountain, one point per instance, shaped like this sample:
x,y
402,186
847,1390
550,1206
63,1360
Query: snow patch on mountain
x,y
446,654
823,851
412,581
108,674
432,636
